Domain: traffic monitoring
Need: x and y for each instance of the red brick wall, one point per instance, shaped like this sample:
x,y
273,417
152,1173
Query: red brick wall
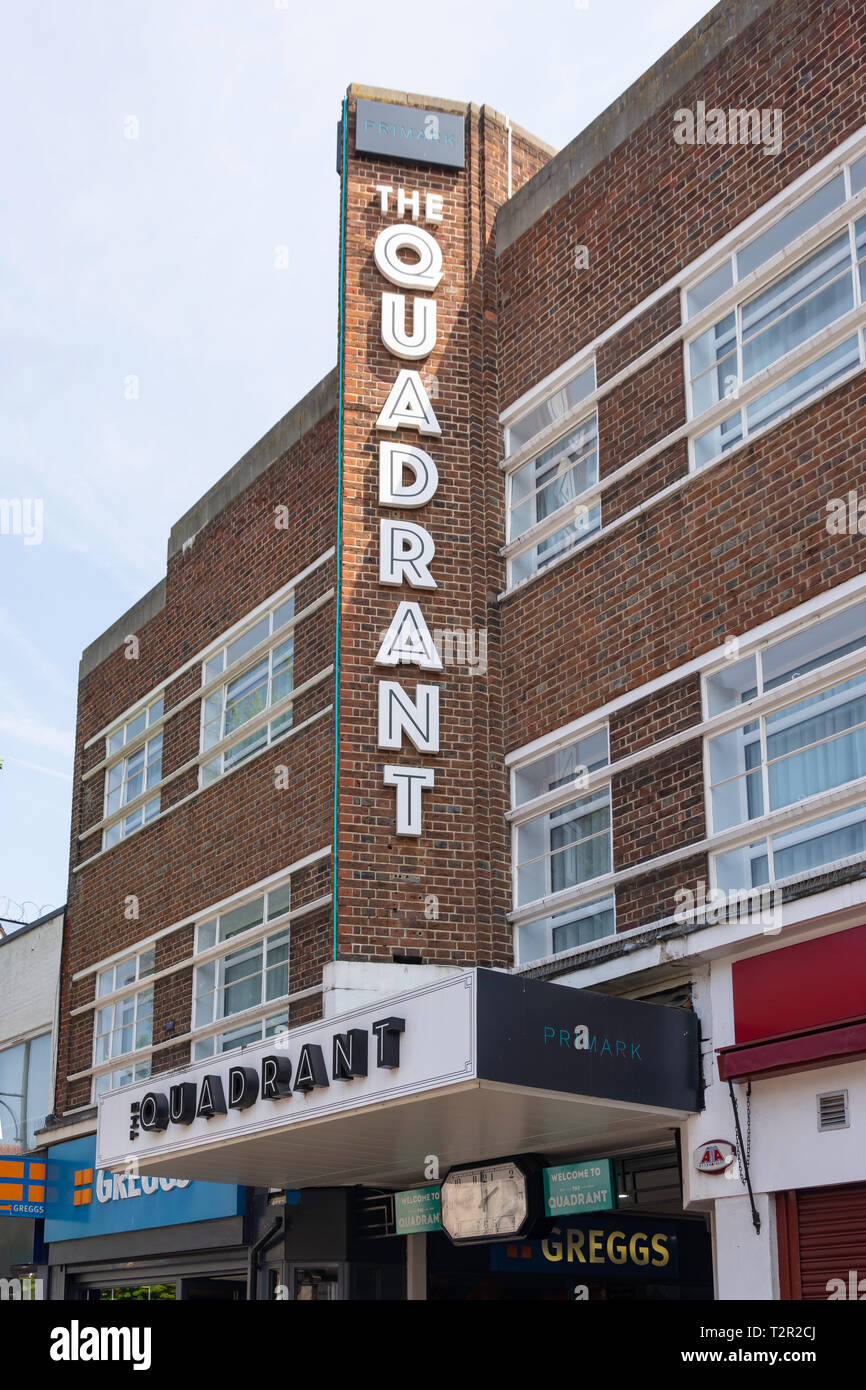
x,y
243,828
460,859
741,544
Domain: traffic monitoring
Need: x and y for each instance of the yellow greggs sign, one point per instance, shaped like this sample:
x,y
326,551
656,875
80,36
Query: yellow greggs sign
x,y
599,1247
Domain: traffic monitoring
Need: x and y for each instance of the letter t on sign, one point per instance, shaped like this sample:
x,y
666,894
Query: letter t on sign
x,y
388,1032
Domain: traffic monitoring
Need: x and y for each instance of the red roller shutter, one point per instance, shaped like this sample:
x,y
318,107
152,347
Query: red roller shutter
x,y
822,1236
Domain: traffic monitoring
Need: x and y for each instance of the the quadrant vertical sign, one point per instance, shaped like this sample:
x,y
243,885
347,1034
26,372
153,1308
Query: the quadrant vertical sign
x,y
419,1209
586,1185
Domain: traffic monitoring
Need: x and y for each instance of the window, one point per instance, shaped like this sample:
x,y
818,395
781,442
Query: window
x,y
130,777
549,482
242,1037
803,748
554,408
564,930
252,690
545,485
811,846
25,1097
254,974
768,243
124,1025
123,1076
759,332
565,846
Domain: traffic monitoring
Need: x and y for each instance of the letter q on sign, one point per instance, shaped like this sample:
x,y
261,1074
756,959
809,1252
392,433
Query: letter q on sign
x,y
422,274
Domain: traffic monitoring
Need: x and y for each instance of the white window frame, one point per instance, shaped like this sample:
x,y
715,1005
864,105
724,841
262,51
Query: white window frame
x,y
114,998
545,806
270,1027
755,283
257,934
235,946
577,509
216,683
120,755
798,817
578,912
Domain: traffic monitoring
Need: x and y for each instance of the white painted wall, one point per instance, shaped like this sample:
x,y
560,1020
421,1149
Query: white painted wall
x,y
787,1149
29,978
746,1262
348,984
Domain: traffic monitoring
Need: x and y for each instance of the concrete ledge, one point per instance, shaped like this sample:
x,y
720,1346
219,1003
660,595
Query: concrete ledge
x,y
358,91
350,984
286,432
134,618
643,98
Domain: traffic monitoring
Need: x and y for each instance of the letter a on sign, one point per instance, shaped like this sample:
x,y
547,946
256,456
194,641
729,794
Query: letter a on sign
x,y
408,404
409,640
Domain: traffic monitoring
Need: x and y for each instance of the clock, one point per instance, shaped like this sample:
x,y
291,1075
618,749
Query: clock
x,y
489,1201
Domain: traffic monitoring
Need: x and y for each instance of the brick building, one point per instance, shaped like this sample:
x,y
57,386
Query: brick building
x,y
524,654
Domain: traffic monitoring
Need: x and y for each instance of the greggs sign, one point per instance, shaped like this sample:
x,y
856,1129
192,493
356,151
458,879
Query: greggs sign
x,y
408,479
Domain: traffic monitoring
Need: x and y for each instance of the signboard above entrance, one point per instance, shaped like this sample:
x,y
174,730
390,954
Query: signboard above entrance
x,y
362,1097
409,133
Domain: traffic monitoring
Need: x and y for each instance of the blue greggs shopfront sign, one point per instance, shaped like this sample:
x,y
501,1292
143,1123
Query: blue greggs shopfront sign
x,y
88,1201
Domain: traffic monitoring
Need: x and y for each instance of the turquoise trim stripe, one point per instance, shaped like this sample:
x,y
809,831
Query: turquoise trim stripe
x,y
343,181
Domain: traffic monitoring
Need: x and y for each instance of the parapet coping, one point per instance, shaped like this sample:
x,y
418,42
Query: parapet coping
x,y
704,42
279,439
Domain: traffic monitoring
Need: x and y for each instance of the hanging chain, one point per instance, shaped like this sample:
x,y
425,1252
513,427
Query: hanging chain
x,y
743,1159
748,1156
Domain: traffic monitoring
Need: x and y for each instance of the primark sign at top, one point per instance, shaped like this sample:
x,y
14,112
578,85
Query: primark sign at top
x,y
408,132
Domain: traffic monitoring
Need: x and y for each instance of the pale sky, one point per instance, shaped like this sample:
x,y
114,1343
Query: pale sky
x,y
148,338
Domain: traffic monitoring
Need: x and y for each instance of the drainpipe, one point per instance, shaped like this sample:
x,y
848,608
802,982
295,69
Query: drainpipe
x,y
253,1255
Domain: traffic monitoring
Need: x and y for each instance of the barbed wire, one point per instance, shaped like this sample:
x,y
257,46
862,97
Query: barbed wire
x,y
15,914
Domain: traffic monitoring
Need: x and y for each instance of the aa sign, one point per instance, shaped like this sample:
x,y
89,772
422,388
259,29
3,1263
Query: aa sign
x,y
714,1156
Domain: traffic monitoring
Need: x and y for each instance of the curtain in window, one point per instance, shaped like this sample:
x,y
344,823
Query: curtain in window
x,y
795,308
840,758
820,849
575,857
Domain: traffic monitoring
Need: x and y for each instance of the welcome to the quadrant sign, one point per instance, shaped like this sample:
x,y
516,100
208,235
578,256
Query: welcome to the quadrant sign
x,y
419,1209
579,1187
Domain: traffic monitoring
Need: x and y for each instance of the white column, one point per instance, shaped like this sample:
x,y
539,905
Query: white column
x,y
747,1264
416,1268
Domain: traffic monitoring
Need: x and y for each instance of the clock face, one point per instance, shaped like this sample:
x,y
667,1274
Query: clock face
x,y
484,1203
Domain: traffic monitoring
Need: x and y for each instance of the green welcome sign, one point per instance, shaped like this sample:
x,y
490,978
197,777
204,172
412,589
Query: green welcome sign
x,y
417,1210
585,1185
